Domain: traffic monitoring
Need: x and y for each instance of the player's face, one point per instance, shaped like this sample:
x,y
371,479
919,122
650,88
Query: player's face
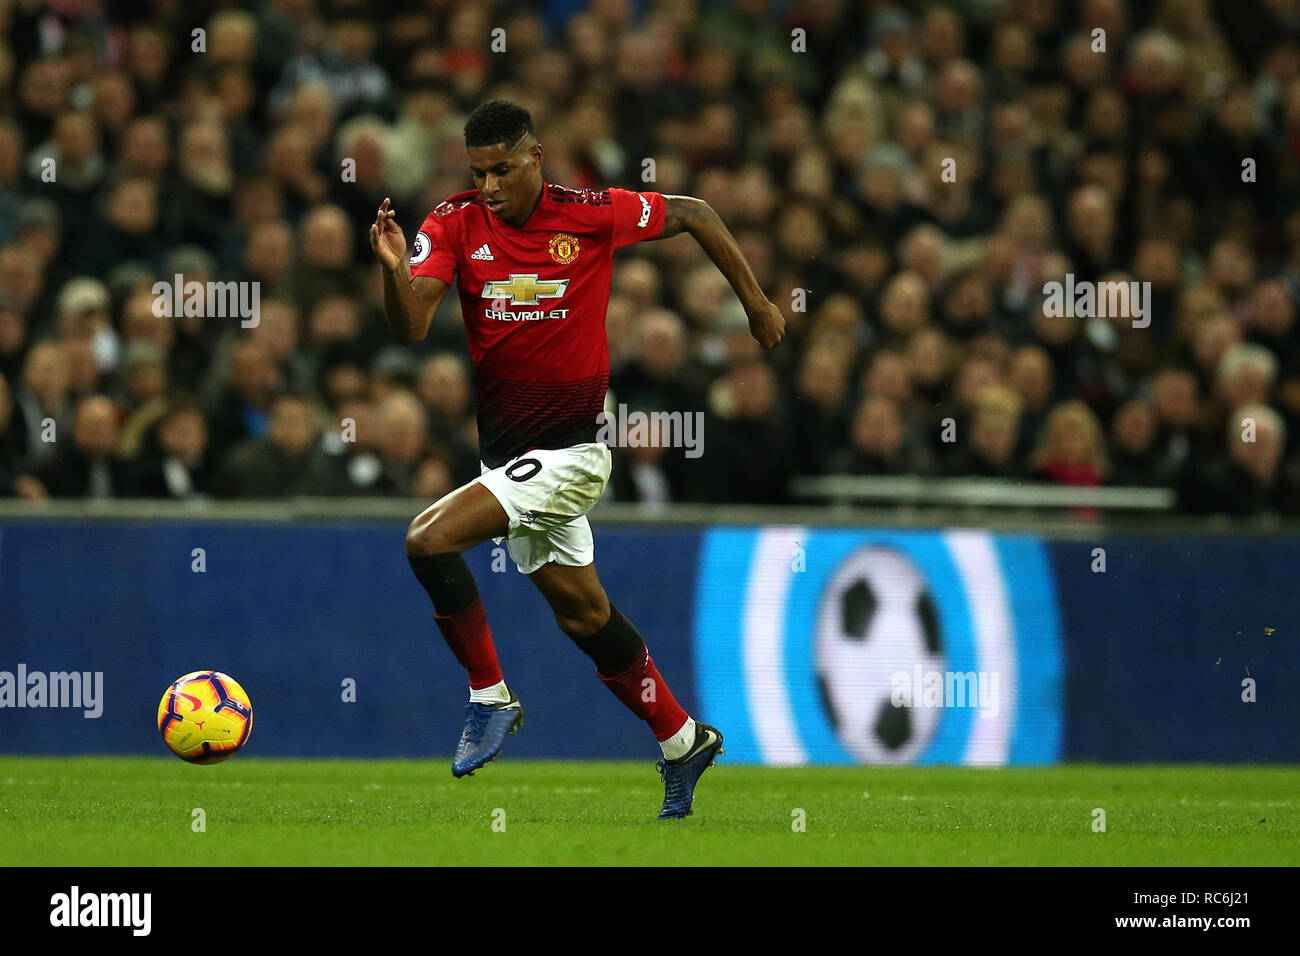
x,y
507,179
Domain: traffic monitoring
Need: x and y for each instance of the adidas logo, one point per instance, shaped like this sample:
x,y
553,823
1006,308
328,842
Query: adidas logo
x,y
484,253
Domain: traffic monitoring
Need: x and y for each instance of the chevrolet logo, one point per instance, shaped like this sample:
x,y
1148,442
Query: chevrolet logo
x,y
524,289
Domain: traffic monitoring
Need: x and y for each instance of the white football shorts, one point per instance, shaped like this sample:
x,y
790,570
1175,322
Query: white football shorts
x,y
546,493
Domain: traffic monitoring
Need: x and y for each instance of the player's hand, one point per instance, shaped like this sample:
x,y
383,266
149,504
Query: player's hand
x,y
767,324
386,238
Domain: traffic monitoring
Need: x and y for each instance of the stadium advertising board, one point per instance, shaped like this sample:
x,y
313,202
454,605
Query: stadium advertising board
x,y
854,646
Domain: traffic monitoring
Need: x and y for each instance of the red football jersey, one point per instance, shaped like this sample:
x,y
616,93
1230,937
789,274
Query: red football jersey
x,y
534,299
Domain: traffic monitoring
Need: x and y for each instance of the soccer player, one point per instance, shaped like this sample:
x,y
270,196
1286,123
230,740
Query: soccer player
x,y
533,262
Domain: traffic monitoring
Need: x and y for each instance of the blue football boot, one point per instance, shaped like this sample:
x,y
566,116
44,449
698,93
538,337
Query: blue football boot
x,y
681,775
486,726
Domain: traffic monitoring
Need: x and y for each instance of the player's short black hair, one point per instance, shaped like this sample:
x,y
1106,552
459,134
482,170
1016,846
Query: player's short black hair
x,y
498,121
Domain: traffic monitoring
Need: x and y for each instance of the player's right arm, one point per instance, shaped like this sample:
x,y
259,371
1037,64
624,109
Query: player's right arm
x,y
409,303
688,214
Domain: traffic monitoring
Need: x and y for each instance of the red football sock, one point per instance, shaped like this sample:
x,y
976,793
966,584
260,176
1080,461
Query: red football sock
x,y
470,639
643,691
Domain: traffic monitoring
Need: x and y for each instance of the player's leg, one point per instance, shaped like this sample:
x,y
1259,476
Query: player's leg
x,y
584,612
434,541
434,545
457,522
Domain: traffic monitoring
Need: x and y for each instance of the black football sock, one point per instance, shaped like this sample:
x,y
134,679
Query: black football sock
x,y
447,579
615,646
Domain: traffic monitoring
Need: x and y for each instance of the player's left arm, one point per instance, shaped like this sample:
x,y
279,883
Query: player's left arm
x,y
688,214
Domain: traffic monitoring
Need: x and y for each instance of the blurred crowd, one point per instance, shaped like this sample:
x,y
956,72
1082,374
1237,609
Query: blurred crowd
x,y
1145,141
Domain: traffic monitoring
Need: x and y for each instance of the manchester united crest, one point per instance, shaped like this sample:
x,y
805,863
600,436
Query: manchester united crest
x,y
564,248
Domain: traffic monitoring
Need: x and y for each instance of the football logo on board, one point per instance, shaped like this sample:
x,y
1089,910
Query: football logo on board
x,y
877,618
564,248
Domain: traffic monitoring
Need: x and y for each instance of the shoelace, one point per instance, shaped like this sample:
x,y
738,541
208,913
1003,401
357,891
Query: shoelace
x,y
674,783
476,717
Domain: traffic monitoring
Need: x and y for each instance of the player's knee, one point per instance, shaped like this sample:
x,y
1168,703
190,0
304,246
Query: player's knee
x,y
583,619
426,536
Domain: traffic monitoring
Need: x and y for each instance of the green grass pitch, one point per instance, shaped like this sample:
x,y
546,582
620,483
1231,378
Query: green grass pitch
x,y
139,812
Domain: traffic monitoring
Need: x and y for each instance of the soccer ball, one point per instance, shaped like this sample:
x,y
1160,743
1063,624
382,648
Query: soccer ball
x,y
205,717
876,620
